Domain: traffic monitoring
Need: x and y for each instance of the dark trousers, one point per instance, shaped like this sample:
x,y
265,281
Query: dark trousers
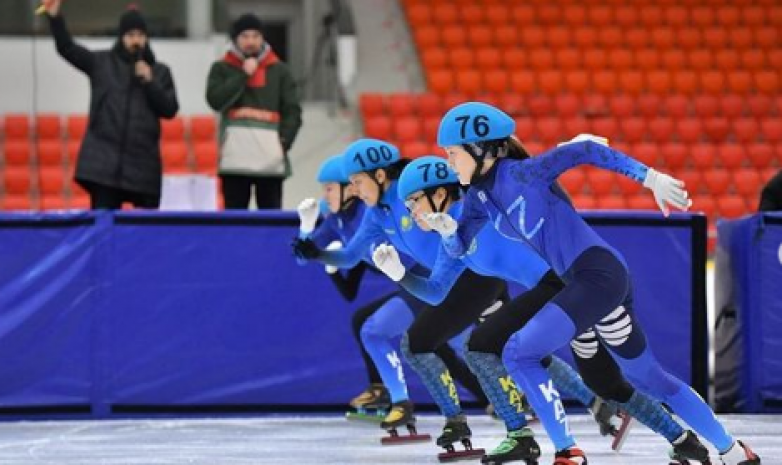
x,y
237,190
600,371
435,326
112,198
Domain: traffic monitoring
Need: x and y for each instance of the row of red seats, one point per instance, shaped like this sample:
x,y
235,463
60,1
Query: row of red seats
x,y
73,127
574,14
599,3
626,129
568,105
745,182
200,156
47,202
674,156
728,206
598,59
633,38
553,81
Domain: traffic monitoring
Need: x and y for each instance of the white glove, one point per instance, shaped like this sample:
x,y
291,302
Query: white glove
x,y
308,215
667,190
335,245
442,223
583,137
387,259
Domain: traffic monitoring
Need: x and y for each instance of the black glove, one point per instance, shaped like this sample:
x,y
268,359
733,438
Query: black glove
x,y
305,249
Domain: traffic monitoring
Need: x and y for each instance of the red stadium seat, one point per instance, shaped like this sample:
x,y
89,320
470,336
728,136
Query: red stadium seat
x,y
16,180
16,152
675,155
703,156
175,156
661,128
747,183
407,129
731,206
676,106
50,152
400,105
16,126
76,126
429,105
717,181
51,181
378,127
204,127
760,154
731,156
205,154
172,129
48,126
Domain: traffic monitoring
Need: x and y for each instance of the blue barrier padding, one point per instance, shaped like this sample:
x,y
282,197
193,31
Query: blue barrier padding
x,y
160,309
754,245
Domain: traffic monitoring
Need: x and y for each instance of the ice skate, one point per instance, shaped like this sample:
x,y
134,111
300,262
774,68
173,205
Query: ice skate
x,y
401,414
518,445
689,451
371,405
571,456
739,454
456,430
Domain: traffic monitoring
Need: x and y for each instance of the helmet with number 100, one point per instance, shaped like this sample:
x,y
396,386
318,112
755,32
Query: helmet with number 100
x,y
331,171
367,155
425,173
472,122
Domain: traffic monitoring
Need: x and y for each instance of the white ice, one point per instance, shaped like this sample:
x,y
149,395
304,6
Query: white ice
x,y
313,440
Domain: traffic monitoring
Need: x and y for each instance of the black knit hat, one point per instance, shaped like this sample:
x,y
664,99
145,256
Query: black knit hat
x,y
247,21
130,20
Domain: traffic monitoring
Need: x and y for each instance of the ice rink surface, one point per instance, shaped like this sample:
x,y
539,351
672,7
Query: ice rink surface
x,y
312,440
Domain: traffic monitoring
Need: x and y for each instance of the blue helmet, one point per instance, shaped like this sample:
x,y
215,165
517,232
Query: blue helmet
x,y
367,155
331,171
424,173
471,122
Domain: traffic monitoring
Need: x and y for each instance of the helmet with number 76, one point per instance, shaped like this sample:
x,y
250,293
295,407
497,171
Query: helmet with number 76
x,y
472,122
368,155
425,173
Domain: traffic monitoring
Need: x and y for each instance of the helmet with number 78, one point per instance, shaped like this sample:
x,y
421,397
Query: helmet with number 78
x,y
425,173
368,155
472,122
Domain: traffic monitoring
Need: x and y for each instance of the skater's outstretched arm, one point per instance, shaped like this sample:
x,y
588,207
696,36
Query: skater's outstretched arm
x,y
433,289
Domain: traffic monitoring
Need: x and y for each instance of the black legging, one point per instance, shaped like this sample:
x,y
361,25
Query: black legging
x,y
435,326
600,372
458,369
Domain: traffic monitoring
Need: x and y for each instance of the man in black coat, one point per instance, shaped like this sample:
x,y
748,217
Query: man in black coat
x,y
119,159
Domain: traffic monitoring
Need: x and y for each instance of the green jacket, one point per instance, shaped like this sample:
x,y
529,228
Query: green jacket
x,y
271,93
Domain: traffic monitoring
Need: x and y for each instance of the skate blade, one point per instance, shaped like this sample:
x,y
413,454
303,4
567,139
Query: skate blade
x,y
407,439
460,455
621,434
364,417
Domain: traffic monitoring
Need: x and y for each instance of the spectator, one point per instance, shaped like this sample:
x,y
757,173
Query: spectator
x,y
119,159
771,197
259,104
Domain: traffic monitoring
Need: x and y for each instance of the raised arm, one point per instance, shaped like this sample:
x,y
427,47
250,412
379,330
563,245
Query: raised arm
x,y
81,58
